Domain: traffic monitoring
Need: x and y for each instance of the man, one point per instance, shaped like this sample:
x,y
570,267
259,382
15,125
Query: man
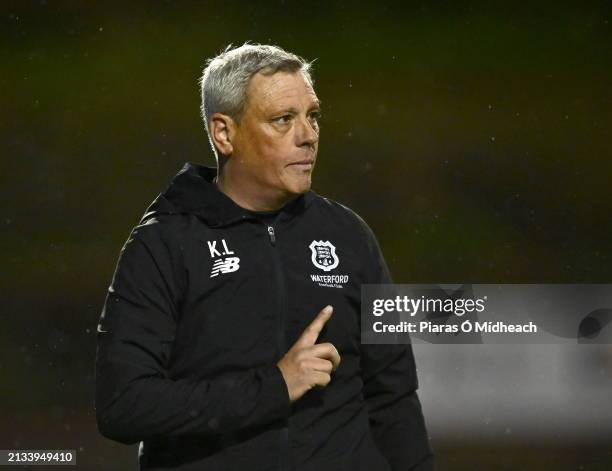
x,y
230,335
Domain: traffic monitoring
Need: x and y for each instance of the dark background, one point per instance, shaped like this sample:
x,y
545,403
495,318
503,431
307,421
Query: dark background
x,y
474,139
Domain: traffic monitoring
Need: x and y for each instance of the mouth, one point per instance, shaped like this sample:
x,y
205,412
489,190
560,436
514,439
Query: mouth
x,y
305,164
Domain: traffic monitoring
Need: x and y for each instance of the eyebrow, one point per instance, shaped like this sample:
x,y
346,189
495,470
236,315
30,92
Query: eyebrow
x,y
316,105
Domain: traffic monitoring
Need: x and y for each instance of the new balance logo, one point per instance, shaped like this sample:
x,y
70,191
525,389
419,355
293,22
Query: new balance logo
x,y
225,265
222,264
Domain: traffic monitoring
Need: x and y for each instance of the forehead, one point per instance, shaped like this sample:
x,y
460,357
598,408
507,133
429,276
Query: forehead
x,y
267,92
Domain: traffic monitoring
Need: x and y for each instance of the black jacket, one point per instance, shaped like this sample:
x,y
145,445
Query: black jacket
x,y
206,299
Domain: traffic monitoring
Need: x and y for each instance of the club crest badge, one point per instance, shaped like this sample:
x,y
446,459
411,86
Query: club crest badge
x,y
324,255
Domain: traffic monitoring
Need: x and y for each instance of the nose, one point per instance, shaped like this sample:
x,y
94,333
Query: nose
x,y
306,133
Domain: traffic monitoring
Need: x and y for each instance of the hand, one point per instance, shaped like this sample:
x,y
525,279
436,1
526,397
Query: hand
x,y
307,364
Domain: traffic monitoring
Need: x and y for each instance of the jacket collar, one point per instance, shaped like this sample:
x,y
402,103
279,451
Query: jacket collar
x,y
192,191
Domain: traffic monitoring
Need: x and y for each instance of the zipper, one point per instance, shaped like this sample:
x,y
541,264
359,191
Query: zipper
x,y
280,338
271,234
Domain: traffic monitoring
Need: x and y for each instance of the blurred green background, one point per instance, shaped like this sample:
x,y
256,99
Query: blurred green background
x,y
473,137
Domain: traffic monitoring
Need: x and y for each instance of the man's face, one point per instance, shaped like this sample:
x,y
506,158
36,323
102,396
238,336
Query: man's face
x,y
277,139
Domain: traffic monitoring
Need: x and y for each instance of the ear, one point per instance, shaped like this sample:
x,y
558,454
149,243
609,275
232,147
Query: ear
x,y
222,132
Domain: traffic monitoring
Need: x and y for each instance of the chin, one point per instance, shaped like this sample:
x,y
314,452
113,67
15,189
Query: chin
x,y
299,186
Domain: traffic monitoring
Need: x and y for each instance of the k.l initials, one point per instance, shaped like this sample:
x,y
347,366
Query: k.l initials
x,y
212,247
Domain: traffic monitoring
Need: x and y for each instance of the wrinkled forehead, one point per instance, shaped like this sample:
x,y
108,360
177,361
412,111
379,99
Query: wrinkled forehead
x,y
278,90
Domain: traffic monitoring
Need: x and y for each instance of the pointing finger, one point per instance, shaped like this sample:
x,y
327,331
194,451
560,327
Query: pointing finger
x,y
311,333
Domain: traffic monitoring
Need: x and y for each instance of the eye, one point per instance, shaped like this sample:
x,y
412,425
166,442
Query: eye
x,y
315,116
284,119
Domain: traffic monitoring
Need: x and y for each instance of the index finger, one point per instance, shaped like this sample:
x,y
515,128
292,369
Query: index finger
x,y
311,333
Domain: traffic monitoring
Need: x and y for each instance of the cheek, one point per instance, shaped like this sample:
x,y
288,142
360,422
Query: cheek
x,y
261,151
270,151
276,153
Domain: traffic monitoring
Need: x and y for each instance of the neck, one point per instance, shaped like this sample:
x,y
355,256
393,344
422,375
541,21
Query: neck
x,y
250,197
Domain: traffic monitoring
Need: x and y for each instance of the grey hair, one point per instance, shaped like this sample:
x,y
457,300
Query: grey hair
x,y
225,78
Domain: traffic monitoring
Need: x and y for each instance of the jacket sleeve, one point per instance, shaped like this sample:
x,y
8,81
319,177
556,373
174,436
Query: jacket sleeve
x,y
135,399
390,389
